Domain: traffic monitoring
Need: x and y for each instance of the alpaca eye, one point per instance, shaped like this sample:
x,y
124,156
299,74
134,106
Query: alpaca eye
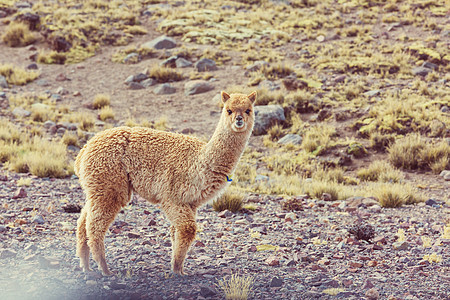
x,y
229,112
247,111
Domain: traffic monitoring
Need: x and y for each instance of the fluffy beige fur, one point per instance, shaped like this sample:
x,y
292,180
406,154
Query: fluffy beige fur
x,y
176,171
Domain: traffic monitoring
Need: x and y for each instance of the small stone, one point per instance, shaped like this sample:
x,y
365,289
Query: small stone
x,y
421,71
205,64
429,65
326,197
182,63
72,208
225,214
290,138
400,245
372,93
61,77
272,261
206,292
368,284
48,124
135,86
7,253
140,77
38,219
134,235
56,97
445,174
131,58
431,202
169,62
320,38
162,42
290,217
3,82
276,282
129,79
165,89
252,248
32,66
148,82
197,87
372,294
19,112
20,193
3,228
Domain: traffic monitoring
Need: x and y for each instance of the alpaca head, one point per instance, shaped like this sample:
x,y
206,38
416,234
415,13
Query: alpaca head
x,y
238,111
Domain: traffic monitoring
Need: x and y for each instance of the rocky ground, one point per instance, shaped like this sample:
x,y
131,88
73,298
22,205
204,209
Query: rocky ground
x,y
348,249
305,254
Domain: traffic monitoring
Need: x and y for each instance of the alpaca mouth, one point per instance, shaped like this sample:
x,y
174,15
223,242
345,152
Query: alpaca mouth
x,y
239,124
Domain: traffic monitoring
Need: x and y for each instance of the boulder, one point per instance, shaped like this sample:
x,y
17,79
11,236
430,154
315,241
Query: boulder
x,y
182,63
290,138
197,87
162,42
205,64
164,89
266,116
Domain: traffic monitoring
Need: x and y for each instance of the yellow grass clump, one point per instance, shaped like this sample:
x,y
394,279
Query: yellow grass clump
x,y
16,75
18,35
236,287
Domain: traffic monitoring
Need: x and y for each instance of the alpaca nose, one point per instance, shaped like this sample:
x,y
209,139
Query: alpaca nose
x,y
239,118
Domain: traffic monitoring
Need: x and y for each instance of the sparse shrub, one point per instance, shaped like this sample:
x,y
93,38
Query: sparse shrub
x,y
230,200
18,35
236,287
40,114
380,171
276,71
356,149
275,132
362,231
9,132
52,57
106,113
317,188
330,174
101,100
292,204
161,123
163,74
302,101
381,142
17,76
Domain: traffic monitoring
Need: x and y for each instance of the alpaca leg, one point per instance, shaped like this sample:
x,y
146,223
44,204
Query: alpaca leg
x,y
182,233
82,246
102,213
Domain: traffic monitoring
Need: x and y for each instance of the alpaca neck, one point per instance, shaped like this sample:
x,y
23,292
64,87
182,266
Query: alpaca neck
x,y
221,154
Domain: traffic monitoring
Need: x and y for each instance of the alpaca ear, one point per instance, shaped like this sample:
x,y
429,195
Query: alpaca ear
x,y
252,97
224,96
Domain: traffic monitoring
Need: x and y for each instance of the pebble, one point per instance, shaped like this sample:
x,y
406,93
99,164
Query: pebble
x,y
20,193
276,282
225,214
400,245
372,294
445,174
290,217
38,219
272,261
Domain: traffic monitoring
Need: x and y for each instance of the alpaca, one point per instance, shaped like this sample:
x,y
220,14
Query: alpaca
x,y
176,171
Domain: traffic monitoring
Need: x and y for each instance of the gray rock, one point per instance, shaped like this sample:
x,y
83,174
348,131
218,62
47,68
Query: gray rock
x,y
429,65
42,82
256,66
148,82
135,85
206,292
162,42
261,178
3,82
3,95
444,109
19,112
48,124
290,138
165,89
421,71
266,116
431,202
205,64
22,5
32,66
372,93
131,58
129,79
140,77
225,214
61,130
445,174
276,282
400,245
62,91
182,63
134,235
3,228
197,87
38,219
7,253
269,85
56,97
169,62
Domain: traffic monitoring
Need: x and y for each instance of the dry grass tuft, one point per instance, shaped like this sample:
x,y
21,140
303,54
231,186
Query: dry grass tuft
x,y
17,76
318,139
380,171
52,57
163,74
236,287
18,35
230,200
101,100
106,113
395,195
